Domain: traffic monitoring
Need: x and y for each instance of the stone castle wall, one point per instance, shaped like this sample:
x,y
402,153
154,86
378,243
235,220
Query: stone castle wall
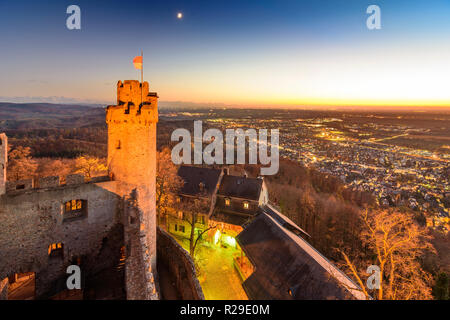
x,y
120,207
181,266
139,274
33,219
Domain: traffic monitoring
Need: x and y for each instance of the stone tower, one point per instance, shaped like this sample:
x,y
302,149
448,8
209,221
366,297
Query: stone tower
x,y
3,161
132,152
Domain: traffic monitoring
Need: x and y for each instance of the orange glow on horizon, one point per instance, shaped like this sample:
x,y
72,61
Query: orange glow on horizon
x,y
305,103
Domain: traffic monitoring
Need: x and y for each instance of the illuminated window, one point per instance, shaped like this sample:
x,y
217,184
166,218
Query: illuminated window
x,y
227,202
179,228
180,215
201,219
75,209
246,206
55,250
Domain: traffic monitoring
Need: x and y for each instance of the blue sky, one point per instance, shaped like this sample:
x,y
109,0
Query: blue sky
x,y
233,52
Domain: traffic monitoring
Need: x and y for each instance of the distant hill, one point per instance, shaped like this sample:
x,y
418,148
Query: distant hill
x,y
48,115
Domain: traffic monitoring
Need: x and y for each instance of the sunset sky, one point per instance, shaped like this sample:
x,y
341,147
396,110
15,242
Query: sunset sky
x,y
238,53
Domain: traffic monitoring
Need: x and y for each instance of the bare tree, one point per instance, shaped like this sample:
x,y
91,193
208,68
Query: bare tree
x,y
168,184
395,243
20,164
54,167
89,166
193,208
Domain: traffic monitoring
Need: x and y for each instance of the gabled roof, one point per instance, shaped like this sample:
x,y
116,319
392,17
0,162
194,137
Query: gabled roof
x,y
284,221
288,267
234,219
194,176
240,187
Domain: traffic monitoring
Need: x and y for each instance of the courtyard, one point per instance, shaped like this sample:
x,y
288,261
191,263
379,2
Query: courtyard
x,y
216,272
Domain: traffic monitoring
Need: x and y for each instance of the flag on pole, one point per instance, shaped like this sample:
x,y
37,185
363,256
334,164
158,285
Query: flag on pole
x,y
138,62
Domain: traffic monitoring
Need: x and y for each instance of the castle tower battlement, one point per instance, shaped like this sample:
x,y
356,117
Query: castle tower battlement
x,y
3,161
133,105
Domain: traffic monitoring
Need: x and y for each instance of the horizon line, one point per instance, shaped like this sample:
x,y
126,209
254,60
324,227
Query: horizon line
x,y
179,104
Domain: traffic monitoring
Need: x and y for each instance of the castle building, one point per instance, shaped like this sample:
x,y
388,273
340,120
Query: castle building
x,y
106,225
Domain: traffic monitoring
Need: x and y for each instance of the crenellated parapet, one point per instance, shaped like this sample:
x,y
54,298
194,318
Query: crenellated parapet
x,y
135,104
51,182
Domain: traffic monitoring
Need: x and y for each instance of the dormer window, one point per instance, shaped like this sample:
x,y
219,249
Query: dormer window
x,y
246,205
227,202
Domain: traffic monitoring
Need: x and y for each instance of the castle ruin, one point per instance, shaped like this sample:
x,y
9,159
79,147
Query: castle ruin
x,y
47,225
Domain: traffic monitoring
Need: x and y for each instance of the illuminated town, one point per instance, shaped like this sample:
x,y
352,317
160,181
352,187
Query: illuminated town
x,y
360,155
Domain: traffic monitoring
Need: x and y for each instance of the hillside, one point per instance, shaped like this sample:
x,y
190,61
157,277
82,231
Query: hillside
x,y
47,115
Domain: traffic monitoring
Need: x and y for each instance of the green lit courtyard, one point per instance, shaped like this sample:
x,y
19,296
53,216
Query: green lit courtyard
x,y
216,273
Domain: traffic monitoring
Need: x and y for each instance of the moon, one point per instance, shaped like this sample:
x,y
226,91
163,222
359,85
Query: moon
x,y
179,15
